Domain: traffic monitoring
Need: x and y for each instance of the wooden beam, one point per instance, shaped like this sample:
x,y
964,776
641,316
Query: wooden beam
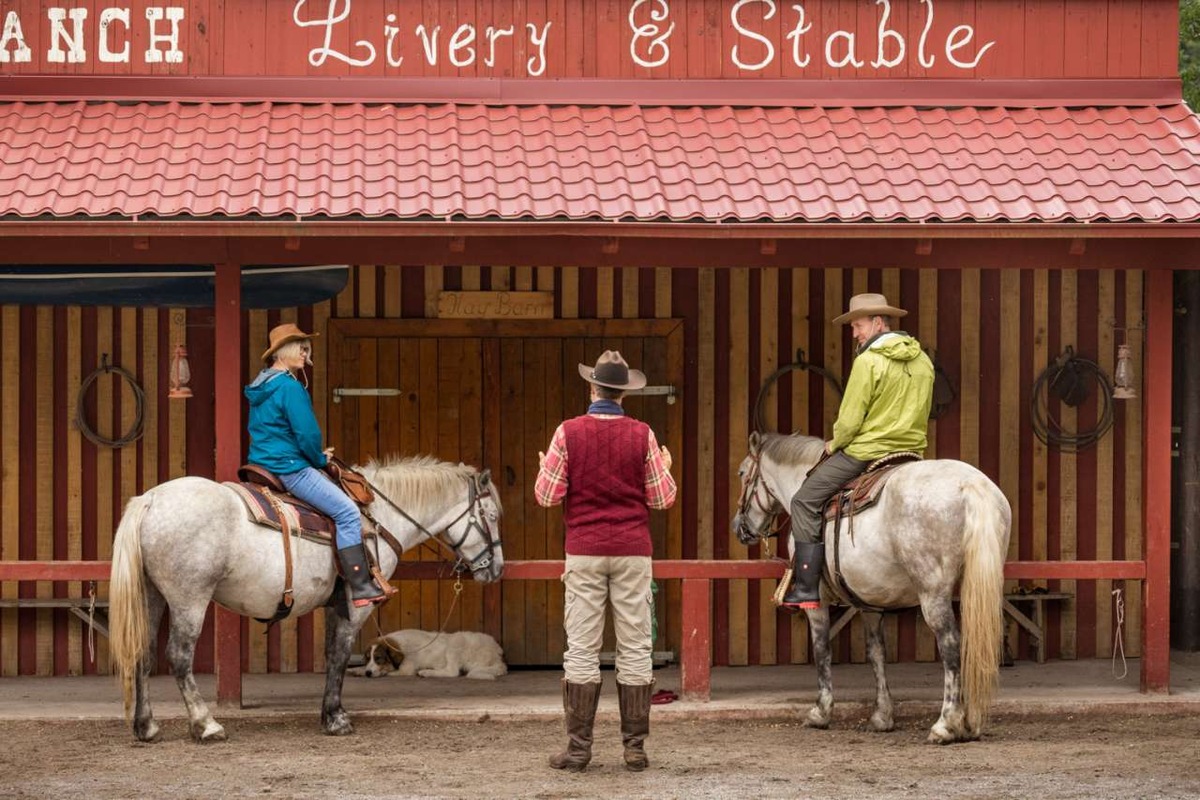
x,y
228,423
1156,483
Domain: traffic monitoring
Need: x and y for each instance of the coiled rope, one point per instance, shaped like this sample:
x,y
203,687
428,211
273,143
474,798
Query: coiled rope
x,y
135,430
1070,378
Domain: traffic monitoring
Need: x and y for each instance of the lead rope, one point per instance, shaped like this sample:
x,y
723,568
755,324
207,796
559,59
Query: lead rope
x,y
458,589
91,634
1119,635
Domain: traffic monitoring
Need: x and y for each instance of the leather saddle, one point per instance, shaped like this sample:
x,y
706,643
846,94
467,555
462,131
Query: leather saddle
x,y
863,492
259,487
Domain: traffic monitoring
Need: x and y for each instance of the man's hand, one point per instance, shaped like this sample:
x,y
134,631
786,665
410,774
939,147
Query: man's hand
x,y
541,459
829,448
666,458
328,451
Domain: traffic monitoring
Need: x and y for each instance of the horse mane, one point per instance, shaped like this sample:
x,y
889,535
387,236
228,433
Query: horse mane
x,y
791,450
421,483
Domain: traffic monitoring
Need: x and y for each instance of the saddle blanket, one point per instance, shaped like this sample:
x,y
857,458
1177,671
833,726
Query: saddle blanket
x,y
303,520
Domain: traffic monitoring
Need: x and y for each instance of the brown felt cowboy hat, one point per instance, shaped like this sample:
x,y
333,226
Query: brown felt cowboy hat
x,y
281,335
612,372
869,305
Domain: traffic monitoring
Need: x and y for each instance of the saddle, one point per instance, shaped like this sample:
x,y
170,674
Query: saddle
x,y
857,495
268,503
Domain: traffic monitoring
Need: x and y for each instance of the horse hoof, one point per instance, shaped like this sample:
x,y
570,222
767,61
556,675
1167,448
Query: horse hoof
x,y
882,724
816,719
147,732
212,732
940,734
340,730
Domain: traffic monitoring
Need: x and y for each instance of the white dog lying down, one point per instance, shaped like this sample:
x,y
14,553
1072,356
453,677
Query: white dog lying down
x,y
433,655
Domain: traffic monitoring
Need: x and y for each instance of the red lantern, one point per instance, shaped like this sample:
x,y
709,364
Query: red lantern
x,y
181,374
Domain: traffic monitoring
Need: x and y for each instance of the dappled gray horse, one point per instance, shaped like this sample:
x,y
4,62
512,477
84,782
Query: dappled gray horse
x,y
190,541
938,525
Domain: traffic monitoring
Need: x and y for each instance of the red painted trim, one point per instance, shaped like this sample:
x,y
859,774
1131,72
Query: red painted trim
x,y
665,570
696,657
1156,487
860,93
341,229
228,427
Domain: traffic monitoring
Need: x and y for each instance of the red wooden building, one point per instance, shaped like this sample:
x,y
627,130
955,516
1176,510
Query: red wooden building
x,y
702,183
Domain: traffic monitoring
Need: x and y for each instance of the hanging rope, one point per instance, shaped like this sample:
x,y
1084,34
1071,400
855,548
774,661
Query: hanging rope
x,y
139,397
1070,379
760,421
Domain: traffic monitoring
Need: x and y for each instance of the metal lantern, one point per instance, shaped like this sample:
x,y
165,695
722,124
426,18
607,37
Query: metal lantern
x,y
1123,382
181,374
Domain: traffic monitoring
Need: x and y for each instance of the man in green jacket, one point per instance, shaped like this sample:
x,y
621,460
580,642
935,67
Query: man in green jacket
x,y
885,410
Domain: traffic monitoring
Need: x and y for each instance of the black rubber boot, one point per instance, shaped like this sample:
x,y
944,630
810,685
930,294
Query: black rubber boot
x,y
805,591
363,589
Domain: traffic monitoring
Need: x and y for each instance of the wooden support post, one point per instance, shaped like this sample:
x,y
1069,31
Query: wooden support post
x,y
695,661
228,422
1156,482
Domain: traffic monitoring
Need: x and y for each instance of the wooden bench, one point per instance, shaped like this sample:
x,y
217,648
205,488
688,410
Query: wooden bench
x,y
1035,626
79,606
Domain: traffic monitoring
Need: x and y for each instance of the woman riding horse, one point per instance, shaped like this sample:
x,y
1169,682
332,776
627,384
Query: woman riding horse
x,y
285,438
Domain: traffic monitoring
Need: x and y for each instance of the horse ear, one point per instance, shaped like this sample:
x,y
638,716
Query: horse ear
x,y
754,441
485,477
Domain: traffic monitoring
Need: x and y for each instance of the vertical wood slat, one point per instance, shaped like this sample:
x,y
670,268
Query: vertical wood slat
x,y
739,344
1104,463
44,471
926,648
706,415
1068,468
255,641
74,467
1135,305
768,361
10,425
800,415
104,461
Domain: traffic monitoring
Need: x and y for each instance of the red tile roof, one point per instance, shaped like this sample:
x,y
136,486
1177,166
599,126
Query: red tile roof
x,y
589,163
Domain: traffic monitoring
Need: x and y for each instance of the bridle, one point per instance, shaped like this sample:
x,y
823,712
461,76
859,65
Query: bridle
x,y
772,522
473,512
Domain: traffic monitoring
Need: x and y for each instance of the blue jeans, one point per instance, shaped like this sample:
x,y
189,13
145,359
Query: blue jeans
x,y
315,488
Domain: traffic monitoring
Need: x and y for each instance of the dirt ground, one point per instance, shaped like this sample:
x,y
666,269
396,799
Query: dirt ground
x,y
1086,756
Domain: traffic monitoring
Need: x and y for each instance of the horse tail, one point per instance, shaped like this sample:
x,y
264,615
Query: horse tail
x,y
128,624
986,543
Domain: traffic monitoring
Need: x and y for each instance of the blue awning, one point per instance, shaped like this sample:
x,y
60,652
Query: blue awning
x,y
166,285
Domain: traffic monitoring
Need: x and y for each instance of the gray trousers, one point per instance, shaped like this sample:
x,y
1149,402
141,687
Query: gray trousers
x,y
816,490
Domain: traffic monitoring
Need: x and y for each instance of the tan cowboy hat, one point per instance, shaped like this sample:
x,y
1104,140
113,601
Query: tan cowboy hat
x,y
612,372
281,335
869,305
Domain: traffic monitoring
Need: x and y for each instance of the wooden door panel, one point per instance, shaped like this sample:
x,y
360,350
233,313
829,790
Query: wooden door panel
x,y
494,399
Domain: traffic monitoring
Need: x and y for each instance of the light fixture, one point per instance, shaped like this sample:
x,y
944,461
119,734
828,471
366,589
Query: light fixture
x,y
1123,382
181,374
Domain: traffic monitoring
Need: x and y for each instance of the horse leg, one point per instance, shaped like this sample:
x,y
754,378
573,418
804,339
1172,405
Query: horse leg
x,y
339,639
818,626
881,719
186,623
952,724
144,726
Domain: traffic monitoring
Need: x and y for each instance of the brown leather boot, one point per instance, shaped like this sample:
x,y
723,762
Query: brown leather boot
x,y
579,706
635,723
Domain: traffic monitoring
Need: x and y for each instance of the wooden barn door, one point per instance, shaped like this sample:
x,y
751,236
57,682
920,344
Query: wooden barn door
x,y
491,395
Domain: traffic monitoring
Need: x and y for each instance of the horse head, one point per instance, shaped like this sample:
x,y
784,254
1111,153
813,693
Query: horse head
x,y
757,508
474,535
452,504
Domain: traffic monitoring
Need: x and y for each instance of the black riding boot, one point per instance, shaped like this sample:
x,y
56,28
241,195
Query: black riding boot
x,y
805,591
363,589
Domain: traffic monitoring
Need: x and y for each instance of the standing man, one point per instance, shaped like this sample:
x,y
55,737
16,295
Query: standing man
x,y
608,472
885,410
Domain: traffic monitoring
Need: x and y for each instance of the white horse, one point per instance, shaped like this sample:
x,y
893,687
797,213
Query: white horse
x,y
191,541
937,526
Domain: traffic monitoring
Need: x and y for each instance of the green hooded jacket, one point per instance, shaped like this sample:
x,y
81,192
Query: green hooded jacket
x,y
886,405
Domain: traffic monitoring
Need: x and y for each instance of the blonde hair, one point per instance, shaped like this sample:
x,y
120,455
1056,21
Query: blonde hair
x,y
291,349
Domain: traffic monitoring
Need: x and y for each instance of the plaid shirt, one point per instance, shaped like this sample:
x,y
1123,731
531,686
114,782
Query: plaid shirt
x,y
551,486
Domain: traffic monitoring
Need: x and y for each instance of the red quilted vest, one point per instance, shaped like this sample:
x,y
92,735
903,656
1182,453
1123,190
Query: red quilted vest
x,y
605,507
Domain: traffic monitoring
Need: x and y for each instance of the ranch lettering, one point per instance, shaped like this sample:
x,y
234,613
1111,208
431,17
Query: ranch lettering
x,y
500,45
